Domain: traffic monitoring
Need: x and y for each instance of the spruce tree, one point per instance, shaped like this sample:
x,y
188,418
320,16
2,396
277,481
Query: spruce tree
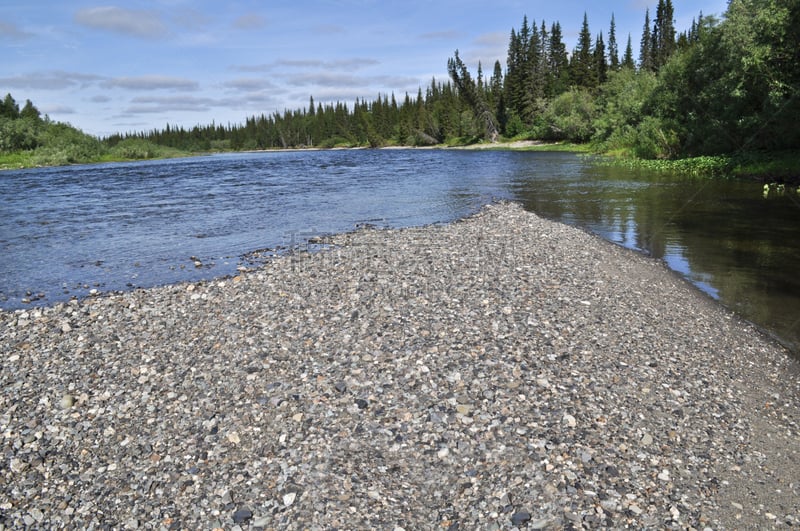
x,y
534,87
663,37
627,58
467,89
558,71
496,99
613,49
581,63
645,48
600,67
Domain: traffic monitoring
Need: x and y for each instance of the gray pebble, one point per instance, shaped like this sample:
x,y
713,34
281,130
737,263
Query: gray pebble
x,y
499,371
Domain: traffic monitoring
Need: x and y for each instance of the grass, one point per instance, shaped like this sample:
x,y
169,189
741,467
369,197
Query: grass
x,y
128,153
16,160
780,166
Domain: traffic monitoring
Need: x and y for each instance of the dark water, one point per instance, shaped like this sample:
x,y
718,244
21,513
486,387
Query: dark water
x,y
65,231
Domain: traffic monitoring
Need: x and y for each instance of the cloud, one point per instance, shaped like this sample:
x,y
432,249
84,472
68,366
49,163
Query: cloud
x,y
154,104
250,21
488,48
326,79
99,99
248,84
152,83
442,35
12,32
57,109
133,22
350,64
54,80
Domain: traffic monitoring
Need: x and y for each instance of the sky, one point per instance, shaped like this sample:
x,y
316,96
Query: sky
x,y
140,65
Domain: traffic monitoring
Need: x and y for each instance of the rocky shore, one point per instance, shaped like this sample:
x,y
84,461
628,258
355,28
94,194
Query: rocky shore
x,y
498,372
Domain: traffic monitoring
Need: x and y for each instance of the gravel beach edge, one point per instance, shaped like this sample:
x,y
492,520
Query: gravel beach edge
x,y
502,371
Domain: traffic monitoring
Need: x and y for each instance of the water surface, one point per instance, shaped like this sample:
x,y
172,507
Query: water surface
x,y
65,231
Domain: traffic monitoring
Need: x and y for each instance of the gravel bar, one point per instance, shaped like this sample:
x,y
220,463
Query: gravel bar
x,y
498,372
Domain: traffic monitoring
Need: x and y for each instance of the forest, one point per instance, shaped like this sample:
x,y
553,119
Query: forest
x,y
725,86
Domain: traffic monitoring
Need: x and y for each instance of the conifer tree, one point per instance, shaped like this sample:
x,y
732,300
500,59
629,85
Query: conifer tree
x,y
558,66
645,48
581,62
599,66
613,49
627,58
496,99
534,78
466,87
663,35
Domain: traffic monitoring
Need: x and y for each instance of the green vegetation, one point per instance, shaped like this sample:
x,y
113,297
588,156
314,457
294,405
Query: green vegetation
x,y
720,98
27,140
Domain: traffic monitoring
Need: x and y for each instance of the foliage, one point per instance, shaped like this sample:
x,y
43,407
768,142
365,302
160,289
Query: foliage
x,y
621,101
570,117
63,144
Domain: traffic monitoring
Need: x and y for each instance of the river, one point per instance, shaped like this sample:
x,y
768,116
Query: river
x,y
69,230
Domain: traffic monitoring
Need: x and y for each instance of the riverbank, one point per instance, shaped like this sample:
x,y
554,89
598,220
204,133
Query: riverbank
x,y
498,371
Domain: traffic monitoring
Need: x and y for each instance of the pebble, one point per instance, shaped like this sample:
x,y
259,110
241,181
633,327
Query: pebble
x,y
288,498
520,518
242,515
498,371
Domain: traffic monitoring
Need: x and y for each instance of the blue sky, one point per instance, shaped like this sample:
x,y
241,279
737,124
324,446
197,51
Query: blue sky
x,y
136,65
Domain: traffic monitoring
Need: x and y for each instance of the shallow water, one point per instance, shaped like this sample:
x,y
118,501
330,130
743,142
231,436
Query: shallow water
x,y
65,231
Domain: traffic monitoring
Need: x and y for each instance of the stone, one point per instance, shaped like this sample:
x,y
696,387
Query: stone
x,y
520,518
242,515
67,401
288,498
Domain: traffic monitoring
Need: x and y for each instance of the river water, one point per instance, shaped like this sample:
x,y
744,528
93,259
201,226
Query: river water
x,y
65,231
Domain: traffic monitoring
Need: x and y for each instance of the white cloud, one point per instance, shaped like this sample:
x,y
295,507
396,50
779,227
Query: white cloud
x,y
57,109
347,64
133,22
152,83
248,84
177,105
450,35
54,80
13,32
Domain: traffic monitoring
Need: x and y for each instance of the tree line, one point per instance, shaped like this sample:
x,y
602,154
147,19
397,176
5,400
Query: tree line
x,y
720,86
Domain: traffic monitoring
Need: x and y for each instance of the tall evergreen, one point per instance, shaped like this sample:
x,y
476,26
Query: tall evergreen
x,y
662,37
627,58
581,61
534,88
599,66
496,99
645,47
558,65
613,49
466,87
